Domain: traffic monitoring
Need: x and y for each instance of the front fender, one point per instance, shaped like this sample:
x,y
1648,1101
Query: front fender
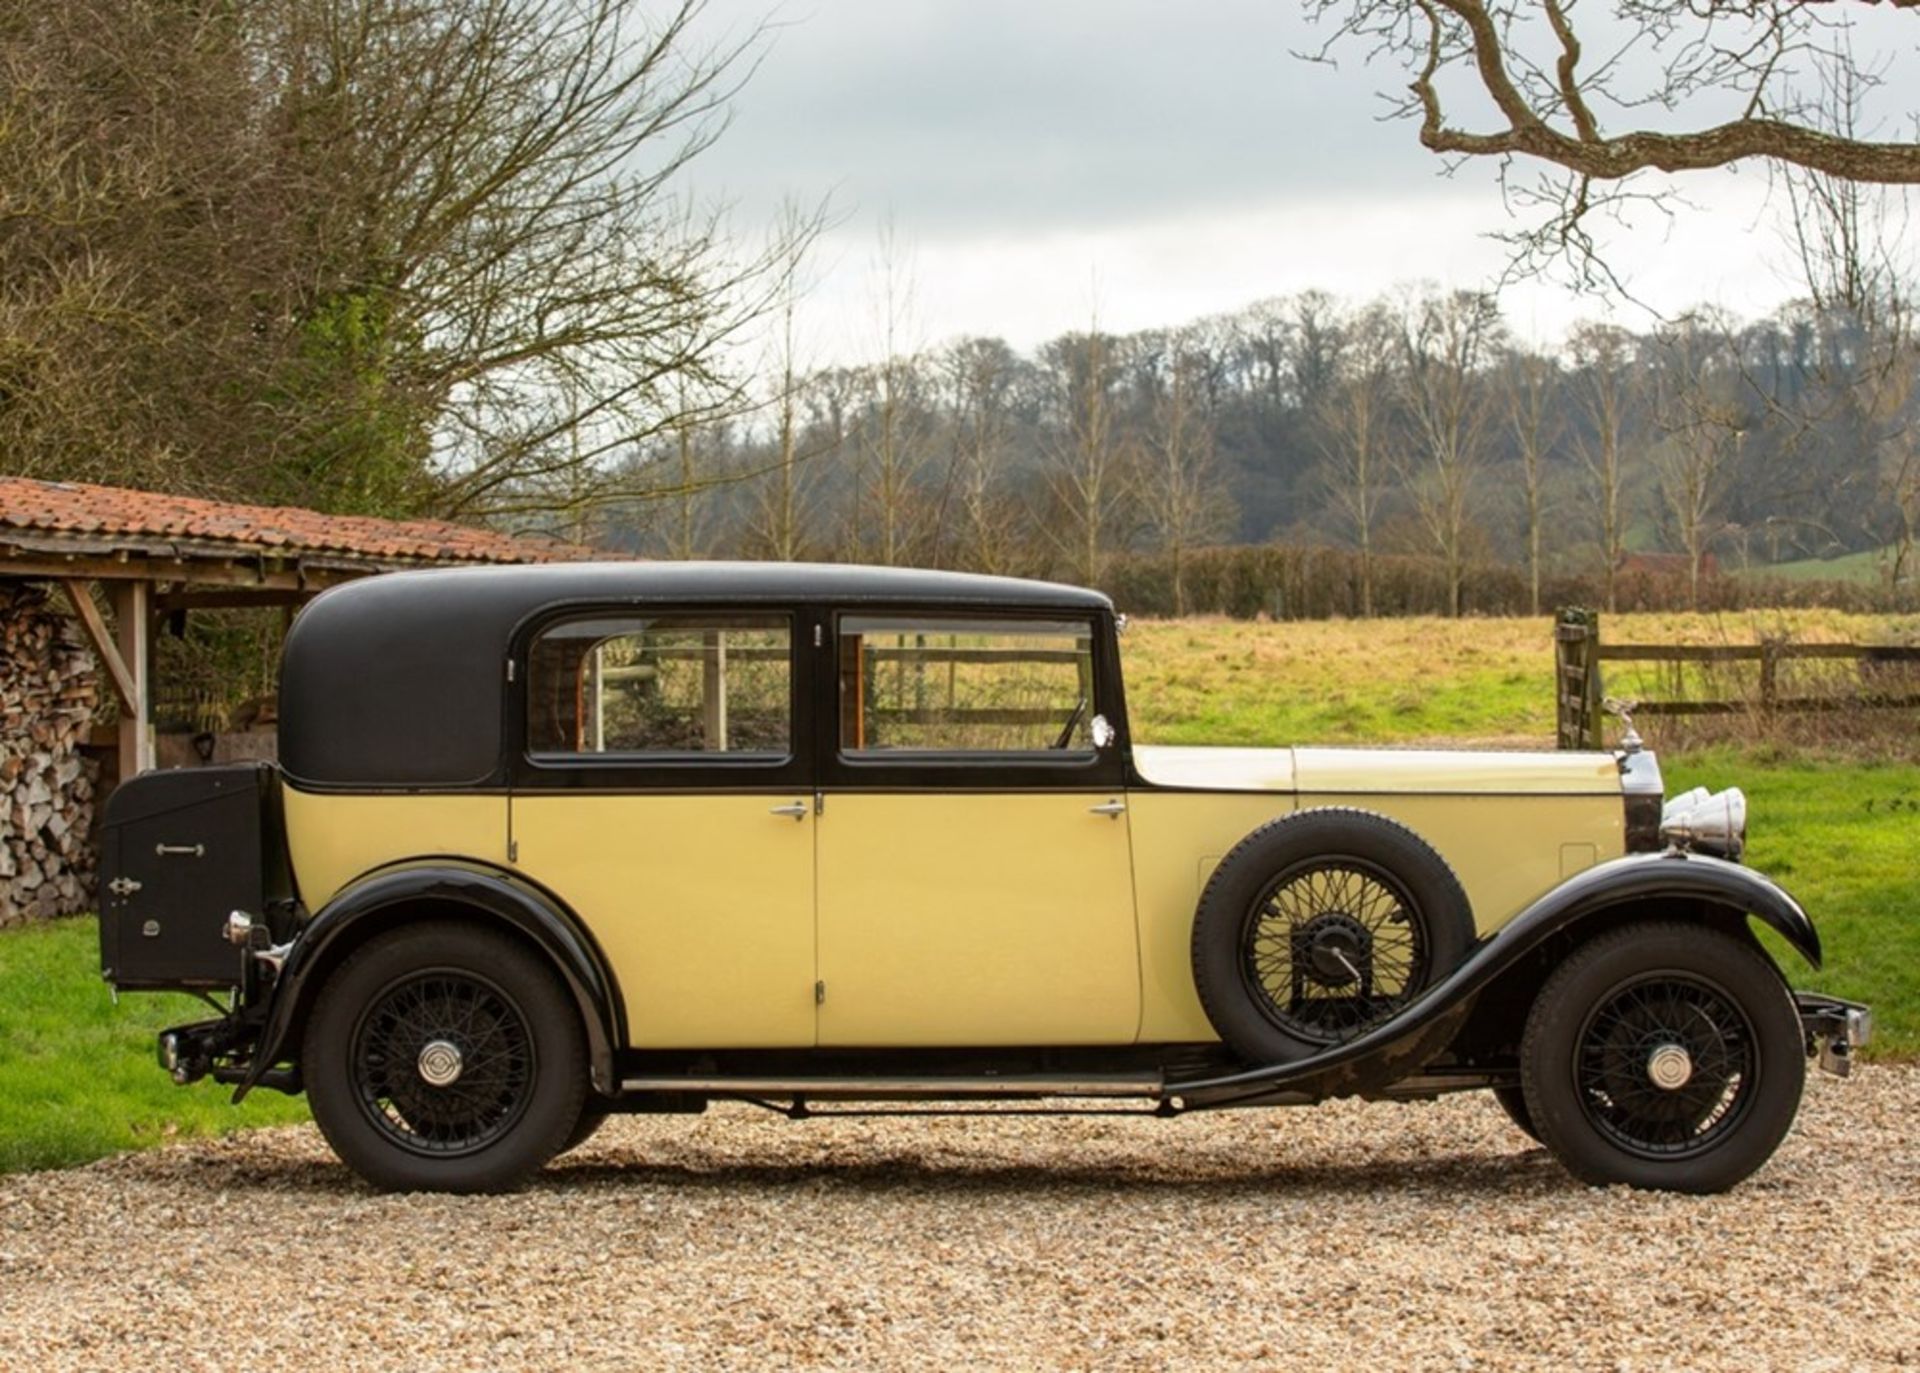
x,y
1623,882
383,897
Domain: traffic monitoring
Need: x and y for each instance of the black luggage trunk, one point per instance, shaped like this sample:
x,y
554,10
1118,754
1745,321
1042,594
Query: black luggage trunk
x,y
180,851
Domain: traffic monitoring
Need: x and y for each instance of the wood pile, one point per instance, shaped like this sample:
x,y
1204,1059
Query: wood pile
x,y
48,691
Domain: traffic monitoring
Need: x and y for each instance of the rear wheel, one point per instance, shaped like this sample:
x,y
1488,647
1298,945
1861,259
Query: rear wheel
x,y
592,1116
444,1057
1514,1102
1664,1056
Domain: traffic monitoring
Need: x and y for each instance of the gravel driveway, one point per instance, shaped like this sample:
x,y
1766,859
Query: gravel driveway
x,y
1424,1236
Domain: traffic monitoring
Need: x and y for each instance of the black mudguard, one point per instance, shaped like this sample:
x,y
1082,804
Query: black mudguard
x,y
1402,1045
455,887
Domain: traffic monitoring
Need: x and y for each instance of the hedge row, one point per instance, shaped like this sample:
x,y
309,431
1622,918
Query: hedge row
x,y
1291,582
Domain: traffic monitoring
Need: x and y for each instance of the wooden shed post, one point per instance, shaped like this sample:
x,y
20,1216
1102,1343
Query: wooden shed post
x,y
132,617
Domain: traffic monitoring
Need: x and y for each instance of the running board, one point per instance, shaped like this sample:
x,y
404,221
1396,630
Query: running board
x,y
905,1088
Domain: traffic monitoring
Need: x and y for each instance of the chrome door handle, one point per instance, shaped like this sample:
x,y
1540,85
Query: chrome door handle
x,y
1113,810
797,809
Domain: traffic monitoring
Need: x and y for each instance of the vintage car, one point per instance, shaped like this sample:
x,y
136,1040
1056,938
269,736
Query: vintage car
x,y
548,844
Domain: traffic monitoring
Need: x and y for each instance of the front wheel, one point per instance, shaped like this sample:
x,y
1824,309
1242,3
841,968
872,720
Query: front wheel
x,y
1664,1056
444,1057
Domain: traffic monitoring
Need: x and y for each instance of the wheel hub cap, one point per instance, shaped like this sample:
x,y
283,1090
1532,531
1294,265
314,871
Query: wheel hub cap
x,y
440,1063
1337,947
1669,1067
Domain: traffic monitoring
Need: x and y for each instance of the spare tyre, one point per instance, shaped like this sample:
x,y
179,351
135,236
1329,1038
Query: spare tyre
x,y
1320,926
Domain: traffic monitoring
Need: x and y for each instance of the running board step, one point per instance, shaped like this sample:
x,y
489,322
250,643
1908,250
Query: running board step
x,y
907,1088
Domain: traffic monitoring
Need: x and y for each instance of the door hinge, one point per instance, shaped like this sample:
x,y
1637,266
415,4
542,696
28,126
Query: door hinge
x,y
819,993
513,850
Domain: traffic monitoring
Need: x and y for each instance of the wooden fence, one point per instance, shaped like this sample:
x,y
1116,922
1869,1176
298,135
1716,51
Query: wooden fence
x,y
1885,678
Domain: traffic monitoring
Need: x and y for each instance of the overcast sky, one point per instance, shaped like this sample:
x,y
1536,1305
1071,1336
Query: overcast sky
x,y
1160,160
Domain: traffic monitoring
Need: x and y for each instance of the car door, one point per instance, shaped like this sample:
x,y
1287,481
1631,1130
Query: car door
x,y
666,797
974,878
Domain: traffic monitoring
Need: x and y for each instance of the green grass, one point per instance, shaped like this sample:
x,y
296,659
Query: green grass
x,y
77,1074
1399,681
1868,565
1844,838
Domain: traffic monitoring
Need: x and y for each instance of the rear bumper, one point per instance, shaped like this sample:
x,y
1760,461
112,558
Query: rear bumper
x,y
1834,1029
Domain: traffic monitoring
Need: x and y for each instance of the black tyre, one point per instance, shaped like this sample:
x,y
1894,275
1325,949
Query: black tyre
x,y
1664,1056
444,1057
1514,1102
592,1116
1318,927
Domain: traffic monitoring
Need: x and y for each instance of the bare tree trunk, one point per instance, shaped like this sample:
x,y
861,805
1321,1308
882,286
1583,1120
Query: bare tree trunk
x,y
1446,343
1530,392
1604,354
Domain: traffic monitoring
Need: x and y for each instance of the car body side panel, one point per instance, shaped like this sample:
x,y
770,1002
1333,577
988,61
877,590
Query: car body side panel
x,y
703,905
334,838
976,919
1429,772
1179,838
1507,851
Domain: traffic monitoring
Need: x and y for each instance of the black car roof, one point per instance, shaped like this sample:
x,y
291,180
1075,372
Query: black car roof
x,y
398,680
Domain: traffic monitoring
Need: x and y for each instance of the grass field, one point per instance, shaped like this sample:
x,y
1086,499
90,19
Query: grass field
x,y
77,1073
1396,681
78,1079
1868,565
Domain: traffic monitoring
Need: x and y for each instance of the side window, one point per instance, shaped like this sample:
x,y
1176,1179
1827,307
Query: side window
x,y
941,684
662,685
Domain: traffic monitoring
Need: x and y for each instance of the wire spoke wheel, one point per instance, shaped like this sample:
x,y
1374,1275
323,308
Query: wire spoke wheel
x,y
1333,946
1665,1065
443,1062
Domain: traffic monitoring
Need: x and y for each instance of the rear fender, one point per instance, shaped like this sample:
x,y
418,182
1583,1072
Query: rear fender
x,y
390,897
1598,897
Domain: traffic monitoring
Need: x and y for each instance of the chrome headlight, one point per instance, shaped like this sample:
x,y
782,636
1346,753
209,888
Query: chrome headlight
x,y
1713,823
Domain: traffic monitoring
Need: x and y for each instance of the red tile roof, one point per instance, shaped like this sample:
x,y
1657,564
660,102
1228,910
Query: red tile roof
x,y
187,527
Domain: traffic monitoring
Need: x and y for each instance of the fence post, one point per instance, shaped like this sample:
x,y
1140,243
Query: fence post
x,y
1576,678
1769,673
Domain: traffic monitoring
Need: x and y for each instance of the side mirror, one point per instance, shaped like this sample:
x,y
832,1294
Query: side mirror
x,y
1102,730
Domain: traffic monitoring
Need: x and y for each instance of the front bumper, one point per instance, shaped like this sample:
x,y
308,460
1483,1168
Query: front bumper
x,y
1834,1029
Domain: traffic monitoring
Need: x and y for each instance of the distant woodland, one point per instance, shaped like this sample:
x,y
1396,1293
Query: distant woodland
x,y
378,257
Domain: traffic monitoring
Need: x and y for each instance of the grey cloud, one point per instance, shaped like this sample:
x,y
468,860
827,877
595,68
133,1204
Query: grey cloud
x,y
993,116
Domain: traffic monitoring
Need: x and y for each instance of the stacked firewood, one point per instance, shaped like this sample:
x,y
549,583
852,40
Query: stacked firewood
x,y
48,691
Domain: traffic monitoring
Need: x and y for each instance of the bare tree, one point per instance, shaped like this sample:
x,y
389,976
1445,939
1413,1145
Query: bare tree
x,y
1179,479
1695,86
1447,340
980,375
783,496
370,254
1603,356
1529,392
1849,241
1086,467
1696,389
1357,419
890,431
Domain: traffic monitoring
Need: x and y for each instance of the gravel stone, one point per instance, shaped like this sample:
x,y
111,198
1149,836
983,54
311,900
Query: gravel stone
x,y
1423,1237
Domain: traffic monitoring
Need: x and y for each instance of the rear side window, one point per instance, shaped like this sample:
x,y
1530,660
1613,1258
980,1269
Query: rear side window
x,y
940,684
668,685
